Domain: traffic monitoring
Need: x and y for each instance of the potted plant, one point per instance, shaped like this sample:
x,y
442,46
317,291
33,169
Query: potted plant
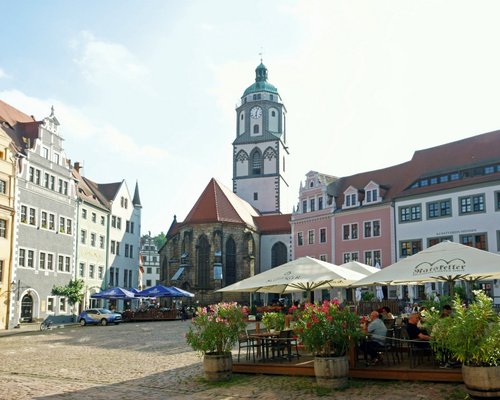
x,y
213,333
472,336
274,321
328,331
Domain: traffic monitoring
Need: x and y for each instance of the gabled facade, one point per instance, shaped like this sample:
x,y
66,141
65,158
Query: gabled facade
x,y
124,226
312,220
150,262
45,210
92,237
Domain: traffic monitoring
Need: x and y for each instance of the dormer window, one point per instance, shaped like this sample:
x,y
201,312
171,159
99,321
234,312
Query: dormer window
x,y
371,196
372,193
350,200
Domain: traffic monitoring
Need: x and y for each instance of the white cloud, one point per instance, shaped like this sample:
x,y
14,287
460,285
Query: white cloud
x,y
102,61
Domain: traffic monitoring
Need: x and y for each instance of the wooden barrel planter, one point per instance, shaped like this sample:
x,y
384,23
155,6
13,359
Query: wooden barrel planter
x,y
218,367
482,382
331,372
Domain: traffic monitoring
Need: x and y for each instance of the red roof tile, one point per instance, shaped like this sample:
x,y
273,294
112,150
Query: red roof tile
x,y
12,115
218,204
268,224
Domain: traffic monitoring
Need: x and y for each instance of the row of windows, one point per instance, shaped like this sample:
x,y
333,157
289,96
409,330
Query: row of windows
x,y
93,217
443,208
116,222
457,175
46,220
93,272
114,277
312,204
477,240
49,181
311,237
46,261
115,249
370,229
371,196
51,304
93,239
370,257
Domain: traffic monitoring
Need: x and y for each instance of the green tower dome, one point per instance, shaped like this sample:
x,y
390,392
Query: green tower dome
x,y
261,84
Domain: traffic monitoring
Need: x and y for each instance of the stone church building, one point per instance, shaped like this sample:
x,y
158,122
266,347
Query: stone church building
x,y
232,235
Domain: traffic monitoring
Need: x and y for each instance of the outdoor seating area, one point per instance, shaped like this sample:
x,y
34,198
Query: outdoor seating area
x,y
401,361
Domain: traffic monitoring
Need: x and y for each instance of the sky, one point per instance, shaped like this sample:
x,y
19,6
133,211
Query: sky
x,y
146,90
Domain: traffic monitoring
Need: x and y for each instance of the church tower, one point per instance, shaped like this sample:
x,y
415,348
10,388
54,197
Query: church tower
x,y
259,150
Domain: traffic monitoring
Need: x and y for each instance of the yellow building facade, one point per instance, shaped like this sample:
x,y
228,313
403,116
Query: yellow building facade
x,y
7,221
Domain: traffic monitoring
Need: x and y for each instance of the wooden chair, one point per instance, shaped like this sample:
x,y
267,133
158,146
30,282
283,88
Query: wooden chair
x,y
281,344
248,343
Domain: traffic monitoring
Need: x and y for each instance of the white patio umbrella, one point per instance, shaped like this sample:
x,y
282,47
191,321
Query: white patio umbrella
x,y
445,261
362,269
302,274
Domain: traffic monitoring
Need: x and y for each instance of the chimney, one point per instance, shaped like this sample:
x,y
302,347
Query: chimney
x,y
77,167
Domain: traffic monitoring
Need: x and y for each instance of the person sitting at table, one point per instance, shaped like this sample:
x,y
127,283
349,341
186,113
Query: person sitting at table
x,y
446,311
377,332
386,313
416,333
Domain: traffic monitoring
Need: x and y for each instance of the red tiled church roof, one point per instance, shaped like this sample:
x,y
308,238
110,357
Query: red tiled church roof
x,y
218,204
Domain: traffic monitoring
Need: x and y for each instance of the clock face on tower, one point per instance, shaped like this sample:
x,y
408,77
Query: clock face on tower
x,y
256,112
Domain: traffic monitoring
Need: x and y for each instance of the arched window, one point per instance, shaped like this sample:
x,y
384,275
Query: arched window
x,y
273,113
278,254
203,262
256,163
230,261
256,128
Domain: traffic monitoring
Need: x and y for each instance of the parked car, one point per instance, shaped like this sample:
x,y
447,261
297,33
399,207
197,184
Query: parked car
x,y
101,316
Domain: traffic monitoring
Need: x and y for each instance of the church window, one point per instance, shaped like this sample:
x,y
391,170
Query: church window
x,y
230,262
203,262
241,116
256,163
255,195
278,254
273,113
256,128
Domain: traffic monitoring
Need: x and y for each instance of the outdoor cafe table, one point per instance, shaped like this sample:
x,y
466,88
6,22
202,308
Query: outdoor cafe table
x,y
264,341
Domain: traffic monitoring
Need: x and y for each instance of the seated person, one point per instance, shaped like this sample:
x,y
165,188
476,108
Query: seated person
x,y
386,313
416,333
376,342
446,311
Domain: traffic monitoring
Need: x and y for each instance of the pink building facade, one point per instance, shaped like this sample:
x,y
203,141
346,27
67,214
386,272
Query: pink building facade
x,y
312,227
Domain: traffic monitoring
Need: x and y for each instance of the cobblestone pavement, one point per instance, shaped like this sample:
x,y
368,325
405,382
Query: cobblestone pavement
x,y
150,360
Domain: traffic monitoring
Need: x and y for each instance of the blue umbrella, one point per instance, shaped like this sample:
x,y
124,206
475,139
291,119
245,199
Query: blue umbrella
x,y
164,291
114,293
183,293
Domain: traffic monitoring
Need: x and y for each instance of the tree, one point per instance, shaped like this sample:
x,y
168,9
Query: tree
x,y
73,291
160,240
